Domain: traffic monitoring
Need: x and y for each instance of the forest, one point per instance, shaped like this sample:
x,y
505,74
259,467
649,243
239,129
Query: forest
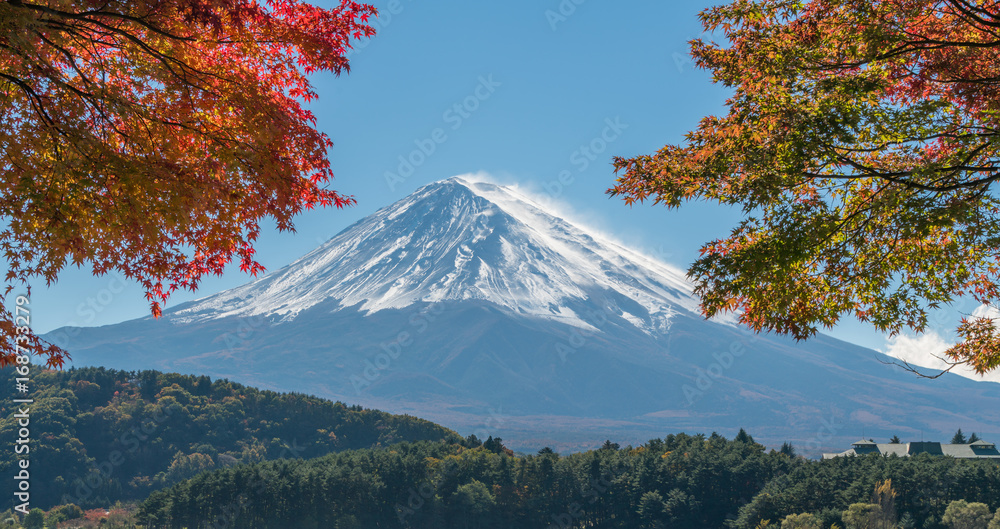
x,y
690,481
114,436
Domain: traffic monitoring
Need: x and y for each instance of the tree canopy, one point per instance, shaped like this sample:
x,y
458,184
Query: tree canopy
x,y
679,481
861,142
152,137
961,514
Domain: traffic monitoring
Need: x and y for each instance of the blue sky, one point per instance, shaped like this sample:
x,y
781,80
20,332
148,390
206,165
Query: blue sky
x,y
526,90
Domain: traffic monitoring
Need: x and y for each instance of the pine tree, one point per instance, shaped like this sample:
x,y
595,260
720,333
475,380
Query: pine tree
x,y
743,437
495,445
959,438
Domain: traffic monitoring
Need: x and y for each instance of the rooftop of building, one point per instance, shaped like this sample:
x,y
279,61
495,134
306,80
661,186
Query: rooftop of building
x,y
977,450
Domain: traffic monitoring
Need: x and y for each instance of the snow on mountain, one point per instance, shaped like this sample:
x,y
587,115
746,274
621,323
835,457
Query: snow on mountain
x,y
463,240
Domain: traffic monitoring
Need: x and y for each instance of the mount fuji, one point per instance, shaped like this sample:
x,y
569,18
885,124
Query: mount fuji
x,y
470,304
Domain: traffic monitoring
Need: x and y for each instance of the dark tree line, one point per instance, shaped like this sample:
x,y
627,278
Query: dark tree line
x,y
680,481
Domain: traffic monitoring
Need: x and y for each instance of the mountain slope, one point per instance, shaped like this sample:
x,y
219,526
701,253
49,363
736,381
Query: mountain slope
x,y
468,304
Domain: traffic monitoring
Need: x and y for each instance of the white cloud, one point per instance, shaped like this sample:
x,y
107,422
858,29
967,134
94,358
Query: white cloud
x,y
925,350
986,311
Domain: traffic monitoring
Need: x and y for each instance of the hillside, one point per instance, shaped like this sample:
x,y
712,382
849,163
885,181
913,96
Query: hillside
x,y
103,435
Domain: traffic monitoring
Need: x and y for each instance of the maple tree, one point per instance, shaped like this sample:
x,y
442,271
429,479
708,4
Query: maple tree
x,y
151,137
861,142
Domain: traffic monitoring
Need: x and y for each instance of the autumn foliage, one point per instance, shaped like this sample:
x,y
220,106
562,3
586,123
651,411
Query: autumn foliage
x,y
151,137
862,142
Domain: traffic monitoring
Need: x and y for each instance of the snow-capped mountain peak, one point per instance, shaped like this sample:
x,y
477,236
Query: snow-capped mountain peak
x,y
459,239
